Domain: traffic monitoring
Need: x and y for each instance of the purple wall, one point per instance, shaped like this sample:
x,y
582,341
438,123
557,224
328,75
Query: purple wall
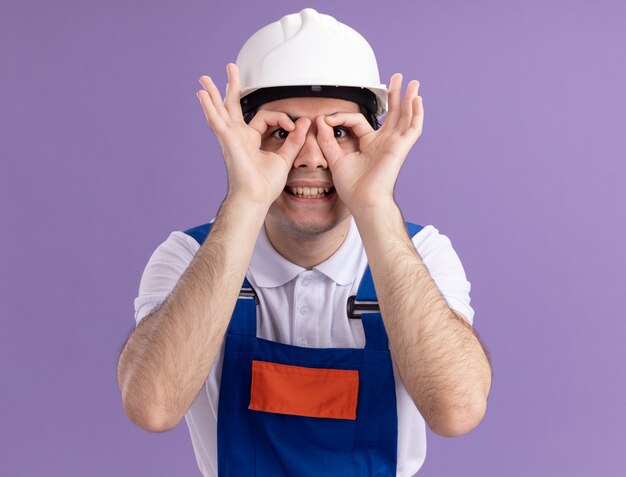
x,y
104,150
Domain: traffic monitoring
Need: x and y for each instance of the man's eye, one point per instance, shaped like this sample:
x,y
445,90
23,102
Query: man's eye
x,y
340,132
280,133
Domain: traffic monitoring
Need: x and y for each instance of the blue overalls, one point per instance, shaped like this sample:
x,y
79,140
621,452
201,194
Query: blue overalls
x,y
306,412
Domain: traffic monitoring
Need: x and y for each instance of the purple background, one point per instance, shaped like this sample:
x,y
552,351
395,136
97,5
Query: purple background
x,y
105,151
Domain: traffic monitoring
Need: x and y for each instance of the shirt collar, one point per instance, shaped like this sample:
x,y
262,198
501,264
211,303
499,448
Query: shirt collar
x,y
270,269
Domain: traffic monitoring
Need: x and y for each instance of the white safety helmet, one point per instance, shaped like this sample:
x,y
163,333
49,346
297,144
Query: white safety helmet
x,y
314,52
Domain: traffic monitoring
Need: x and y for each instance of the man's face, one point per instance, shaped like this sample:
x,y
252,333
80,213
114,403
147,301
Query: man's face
x,y
301,208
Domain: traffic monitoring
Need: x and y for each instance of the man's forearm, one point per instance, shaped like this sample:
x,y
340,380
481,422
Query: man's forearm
x,y
441,362
169,355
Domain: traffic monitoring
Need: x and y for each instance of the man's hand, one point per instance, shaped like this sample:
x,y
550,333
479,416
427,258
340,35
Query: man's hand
x,y
366,178
254,175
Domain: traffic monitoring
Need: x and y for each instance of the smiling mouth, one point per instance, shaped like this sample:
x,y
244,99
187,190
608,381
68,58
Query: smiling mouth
x,y
310,192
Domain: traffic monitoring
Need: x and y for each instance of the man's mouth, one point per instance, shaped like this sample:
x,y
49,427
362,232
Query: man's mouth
x,y
310,192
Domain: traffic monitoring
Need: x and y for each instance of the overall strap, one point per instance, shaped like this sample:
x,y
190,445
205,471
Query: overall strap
x,y
366,305
245,308
199,232
412,229
243,321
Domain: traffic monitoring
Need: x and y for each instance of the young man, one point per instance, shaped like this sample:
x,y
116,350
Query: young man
x,y
297,373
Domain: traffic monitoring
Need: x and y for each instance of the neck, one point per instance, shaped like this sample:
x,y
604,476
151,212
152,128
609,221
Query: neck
x,y
305,250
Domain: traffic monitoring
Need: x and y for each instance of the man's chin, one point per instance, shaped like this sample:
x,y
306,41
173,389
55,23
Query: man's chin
x,y
313,229
305,229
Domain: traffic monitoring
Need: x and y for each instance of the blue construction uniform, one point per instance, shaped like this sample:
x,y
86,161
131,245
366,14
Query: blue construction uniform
x,y
291,439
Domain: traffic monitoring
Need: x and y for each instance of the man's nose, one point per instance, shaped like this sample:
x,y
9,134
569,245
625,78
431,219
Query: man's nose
x,y
311,154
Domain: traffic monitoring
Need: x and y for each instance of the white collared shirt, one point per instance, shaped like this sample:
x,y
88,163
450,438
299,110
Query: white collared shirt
x,y
305,308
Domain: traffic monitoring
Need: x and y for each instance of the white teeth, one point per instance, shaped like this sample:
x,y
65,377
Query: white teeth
x,y
309,192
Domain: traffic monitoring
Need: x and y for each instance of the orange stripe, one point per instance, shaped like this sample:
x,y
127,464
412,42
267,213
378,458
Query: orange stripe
x,y
300,391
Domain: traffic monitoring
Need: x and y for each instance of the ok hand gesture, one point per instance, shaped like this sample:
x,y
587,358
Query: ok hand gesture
x,y
253,174
366,178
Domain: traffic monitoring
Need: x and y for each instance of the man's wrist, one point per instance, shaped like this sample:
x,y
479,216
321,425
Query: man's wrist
x,y
381,226
384,208
247,204
240,216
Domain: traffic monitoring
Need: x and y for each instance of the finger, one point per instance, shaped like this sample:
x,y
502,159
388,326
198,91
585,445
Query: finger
x,y
294,142
214,95
233,93
407,109
263,120
210,113
395,100
355,121
417,120
327,141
